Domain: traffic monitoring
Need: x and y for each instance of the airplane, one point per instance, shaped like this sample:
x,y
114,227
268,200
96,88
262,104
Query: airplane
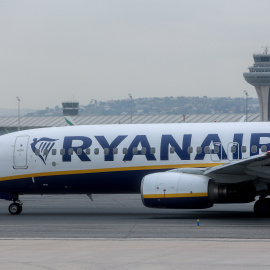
x,y
177,166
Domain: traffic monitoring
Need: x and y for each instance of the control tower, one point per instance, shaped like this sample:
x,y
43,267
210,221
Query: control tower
x,y
259,76
70,108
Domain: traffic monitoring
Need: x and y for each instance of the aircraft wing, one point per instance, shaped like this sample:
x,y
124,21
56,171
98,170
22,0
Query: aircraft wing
x,y
243,170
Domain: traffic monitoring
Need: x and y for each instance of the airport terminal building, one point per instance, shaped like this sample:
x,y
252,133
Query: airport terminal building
x,y
11,124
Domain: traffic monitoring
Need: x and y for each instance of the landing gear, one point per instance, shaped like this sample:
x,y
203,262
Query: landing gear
x,y
16,207
262,207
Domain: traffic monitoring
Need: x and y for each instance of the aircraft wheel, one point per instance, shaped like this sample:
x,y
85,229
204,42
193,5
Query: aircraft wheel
x,y
262,207
15,209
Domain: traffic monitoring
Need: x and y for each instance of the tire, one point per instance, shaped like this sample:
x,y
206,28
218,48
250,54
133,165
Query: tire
x,y
19,209
15,208
262,207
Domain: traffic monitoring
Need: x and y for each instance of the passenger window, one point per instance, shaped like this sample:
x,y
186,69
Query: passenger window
x,y
190,150
172,149
45,152
243,149
254,149
79,151
54,152
115,151
233,149
106,151
216,149
125,151
62,151
87,151
70,151
152,150
135,151
37,152
143,152
207,150
96,151
264,148
199,150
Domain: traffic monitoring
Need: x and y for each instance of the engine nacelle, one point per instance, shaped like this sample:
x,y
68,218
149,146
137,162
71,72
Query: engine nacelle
x,y
175,190
191,191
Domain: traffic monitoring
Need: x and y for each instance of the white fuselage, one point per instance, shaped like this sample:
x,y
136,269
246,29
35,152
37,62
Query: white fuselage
x,y
114,158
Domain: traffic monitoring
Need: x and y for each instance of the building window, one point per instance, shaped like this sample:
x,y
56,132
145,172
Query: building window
x,y
264,59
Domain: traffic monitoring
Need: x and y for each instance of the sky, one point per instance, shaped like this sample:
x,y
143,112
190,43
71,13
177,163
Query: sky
x,y
53,51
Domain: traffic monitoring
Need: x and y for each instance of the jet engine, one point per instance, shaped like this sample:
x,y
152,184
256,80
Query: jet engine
x,y
189,191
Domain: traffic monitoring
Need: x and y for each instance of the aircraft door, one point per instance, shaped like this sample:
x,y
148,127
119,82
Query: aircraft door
x,y
20,152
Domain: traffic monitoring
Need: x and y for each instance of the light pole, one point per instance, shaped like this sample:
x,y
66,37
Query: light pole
x,y
19,113
246,93
130,96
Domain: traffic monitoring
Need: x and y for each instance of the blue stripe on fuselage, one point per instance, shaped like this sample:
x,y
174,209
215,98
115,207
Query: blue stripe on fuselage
x,y
102,182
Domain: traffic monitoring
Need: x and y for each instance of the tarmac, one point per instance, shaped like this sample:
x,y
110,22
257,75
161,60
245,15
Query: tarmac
x,y
118,232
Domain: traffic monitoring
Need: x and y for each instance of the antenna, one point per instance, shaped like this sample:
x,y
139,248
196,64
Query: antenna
x,y
265,49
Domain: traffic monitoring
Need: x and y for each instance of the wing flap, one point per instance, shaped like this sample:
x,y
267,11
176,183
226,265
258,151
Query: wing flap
x,y
242,170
